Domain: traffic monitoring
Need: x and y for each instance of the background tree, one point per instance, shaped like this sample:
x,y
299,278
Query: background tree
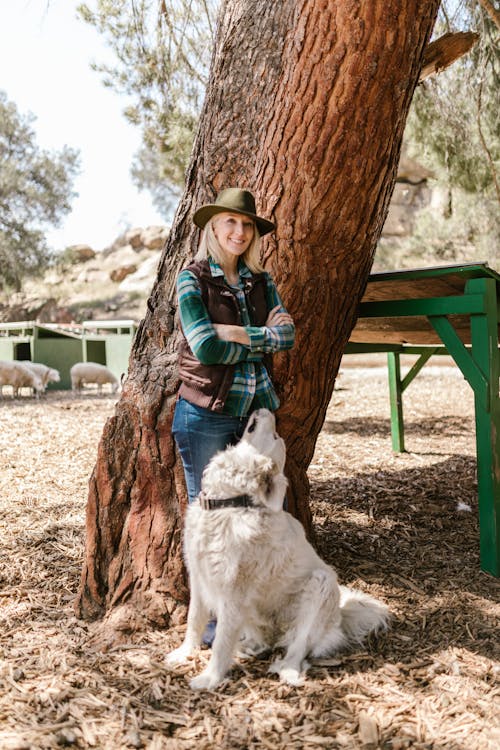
x,y
454,129
455,119
306,104
35,192
162,55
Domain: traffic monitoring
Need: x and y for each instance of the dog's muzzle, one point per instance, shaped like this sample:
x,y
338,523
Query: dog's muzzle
x,y
216,503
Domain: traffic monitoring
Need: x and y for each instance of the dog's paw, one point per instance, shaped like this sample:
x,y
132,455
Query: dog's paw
x,y
205,681
178,656
287,673
292,676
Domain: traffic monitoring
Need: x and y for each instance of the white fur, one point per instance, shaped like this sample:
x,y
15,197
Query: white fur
x,y
18,375
92,372
46,374
255,570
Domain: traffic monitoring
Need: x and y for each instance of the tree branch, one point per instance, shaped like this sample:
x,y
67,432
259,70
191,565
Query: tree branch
x,y
444,51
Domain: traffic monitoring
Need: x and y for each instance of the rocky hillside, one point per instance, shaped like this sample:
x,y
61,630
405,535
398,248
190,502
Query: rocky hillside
x,y
115,283
92,285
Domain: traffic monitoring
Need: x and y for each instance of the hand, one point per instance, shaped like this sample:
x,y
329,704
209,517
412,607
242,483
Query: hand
x,y
277,318
222,330
227,332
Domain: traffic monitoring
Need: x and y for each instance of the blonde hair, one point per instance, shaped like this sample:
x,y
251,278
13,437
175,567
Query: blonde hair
x,y
209,246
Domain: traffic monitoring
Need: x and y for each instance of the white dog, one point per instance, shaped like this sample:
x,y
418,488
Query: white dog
x,y
251,565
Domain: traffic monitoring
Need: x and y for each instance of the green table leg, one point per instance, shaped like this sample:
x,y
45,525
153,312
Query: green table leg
x,y
484,330
397,385
396,399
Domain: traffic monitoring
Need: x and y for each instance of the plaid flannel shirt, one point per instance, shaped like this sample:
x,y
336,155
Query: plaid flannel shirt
x,y
252,387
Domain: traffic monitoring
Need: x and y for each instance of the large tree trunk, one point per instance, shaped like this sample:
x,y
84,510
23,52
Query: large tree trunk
x,y
306,106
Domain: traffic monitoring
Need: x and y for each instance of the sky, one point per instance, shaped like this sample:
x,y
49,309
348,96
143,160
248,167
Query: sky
x,y
45,56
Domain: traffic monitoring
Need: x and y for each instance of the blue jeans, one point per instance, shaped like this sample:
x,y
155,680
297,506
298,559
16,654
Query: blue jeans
x,y
199,434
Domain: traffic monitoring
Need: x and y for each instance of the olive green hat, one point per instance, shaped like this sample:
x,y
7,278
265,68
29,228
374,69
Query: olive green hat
x,y
236,201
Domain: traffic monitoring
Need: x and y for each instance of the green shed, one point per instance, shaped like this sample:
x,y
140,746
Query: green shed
x,y
60,347
51,344
16,340
108,342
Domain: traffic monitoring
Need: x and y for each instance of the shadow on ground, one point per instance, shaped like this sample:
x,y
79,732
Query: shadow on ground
x,y
403,531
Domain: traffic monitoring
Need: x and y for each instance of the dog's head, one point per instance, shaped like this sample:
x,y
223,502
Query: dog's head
x,y
261,433
253,467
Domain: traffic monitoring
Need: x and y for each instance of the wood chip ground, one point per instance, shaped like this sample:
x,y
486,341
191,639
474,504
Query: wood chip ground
x,y
403,527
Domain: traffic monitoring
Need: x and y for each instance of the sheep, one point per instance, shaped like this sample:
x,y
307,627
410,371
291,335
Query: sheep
x,y
46,374
19,376
92,372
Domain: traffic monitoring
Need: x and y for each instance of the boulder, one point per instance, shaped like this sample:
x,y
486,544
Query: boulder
x,y
81,253
154,237
142,280
118,274
134,237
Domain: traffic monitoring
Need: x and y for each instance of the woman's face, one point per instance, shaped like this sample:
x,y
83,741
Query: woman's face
x,y
234,232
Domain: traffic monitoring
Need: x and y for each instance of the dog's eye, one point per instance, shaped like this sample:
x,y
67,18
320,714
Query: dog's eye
x,y
253,423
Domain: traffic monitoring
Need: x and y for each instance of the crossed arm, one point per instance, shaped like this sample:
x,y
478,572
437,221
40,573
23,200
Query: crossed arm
x,y
239,335
227,344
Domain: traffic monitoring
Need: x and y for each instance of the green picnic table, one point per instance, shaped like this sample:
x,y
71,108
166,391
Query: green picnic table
x,y
452,310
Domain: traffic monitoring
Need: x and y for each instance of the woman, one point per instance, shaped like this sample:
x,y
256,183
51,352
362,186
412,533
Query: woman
x,y
233,320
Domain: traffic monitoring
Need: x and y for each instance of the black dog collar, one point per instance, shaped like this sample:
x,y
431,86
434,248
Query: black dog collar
x,y
215,503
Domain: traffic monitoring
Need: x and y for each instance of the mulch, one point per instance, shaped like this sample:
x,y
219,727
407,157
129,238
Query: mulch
x,y
402,527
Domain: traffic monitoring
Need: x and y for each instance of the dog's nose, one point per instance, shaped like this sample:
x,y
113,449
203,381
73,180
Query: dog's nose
x,y
264,413
262,417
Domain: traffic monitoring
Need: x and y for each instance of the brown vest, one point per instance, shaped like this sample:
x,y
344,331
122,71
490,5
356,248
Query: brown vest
x,y
208,385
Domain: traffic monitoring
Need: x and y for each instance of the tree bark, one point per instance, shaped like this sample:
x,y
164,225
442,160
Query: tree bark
x,y
306,106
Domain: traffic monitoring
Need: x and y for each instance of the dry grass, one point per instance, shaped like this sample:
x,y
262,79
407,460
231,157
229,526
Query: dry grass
x,y
390,524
